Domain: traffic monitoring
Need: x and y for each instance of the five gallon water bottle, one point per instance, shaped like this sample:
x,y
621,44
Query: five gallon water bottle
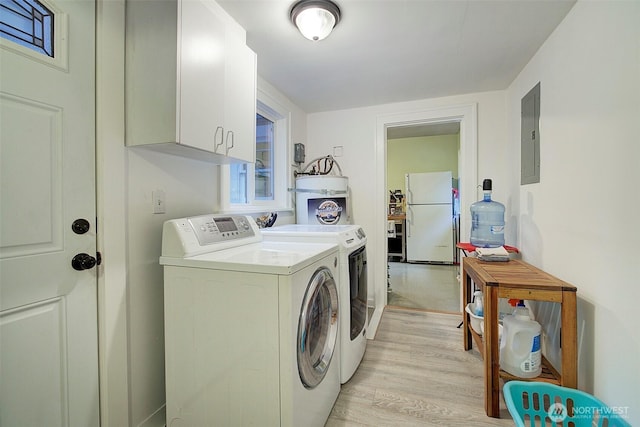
x,y
487,220
520,350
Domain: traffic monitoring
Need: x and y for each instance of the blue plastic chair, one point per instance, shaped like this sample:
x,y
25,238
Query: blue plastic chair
x,y
544,404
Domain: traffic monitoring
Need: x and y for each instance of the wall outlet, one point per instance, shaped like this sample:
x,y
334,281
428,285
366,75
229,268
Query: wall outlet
x,y
157,197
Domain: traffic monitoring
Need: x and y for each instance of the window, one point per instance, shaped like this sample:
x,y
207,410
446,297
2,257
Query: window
x,y
263,184
262,172
28,23
36,29
264,158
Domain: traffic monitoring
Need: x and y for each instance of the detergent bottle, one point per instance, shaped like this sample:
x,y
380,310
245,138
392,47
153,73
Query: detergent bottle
x,y
520,351
478,308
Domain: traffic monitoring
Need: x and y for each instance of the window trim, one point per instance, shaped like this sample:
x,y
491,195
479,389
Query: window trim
x,y
273,167
271,109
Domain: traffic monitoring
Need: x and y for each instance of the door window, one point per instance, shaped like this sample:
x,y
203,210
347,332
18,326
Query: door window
x,y
317,328
29,23
36,29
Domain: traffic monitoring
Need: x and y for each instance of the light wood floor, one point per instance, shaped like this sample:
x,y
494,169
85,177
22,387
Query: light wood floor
x,y
416,373
424,286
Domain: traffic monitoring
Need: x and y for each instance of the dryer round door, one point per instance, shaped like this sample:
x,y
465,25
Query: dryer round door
x,y
317,328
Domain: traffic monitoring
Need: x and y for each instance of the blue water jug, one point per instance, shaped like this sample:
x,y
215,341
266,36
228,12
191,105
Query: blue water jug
x,y
487,220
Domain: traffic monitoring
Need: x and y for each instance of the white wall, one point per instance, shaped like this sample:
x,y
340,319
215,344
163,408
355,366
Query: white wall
x,y
297,132
589,72
580,222
355,130
130,283
297,117
191,188
131,287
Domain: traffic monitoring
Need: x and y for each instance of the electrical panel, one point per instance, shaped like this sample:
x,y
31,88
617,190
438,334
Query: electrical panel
x,y
530,137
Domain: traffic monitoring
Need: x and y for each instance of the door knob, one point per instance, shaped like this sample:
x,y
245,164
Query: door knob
x,y
83,262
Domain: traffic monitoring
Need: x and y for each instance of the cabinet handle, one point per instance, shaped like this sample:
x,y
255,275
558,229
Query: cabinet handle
x,y
221,130
229,147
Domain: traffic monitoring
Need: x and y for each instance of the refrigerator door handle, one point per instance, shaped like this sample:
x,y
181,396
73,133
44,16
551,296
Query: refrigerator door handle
x,y
409,219
408,187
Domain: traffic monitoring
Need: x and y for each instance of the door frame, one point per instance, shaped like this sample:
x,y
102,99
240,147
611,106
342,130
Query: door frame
x,y
467,116
111,193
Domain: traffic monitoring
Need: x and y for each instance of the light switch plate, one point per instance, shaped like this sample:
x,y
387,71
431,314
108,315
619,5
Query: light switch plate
x,y
157,196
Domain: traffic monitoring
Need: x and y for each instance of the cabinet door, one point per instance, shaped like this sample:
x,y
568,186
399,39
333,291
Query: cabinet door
x,y
202,76
240,100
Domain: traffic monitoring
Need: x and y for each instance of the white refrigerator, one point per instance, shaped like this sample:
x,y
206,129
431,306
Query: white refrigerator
x,y
429,218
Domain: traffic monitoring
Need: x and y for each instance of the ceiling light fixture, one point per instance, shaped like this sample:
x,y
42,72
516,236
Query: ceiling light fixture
x,y
315,18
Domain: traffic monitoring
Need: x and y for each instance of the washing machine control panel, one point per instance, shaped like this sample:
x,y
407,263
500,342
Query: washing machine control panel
x,y
212,229
197,235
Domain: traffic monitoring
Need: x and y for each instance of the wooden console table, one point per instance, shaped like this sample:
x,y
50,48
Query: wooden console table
x,y
517,279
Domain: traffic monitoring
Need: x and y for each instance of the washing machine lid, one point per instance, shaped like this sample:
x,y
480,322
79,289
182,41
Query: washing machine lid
x,y
347,236
281,258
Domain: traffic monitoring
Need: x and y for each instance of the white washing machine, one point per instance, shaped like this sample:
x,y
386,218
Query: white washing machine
x,y
250,326
352,282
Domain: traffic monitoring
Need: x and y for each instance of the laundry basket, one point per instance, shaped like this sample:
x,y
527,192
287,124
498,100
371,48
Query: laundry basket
x,y
543,404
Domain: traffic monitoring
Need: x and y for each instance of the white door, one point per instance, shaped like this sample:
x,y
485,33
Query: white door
x,y
48,319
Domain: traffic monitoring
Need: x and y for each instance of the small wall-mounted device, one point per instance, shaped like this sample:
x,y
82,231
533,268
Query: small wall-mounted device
x,y
298,153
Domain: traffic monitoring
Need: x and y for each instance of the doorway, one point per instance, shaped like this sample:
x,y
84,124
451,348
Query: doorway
x,y
418,149
430,287
466,116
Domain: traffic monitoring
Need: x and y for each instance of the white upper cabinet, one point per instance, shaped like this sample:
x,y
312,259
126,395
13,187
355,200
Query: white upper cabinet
x,y
190,81
240,100
201,82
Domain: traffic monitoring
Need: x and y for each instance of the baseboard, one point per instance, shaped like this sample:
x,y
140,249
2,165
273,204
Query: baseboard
x,y
374,322
157,419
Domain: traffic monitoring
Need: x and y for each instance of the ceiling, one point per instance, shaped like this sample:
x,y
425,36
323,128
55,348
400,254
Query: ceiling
x,y
385,51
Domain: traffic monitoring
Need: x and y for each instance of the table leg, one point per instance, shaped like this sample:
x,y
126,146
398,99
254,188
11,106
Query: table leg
x,y
569,341
491,352
466,298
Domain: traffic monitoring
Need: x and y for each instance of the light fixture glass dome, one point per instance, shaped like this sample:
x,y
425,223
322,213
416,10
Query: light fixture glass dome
x,y
315,18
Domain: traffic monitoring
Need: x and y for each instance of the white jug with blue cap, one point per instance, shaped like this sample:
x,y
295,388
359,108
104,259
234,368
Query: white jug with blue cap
x,y
520,346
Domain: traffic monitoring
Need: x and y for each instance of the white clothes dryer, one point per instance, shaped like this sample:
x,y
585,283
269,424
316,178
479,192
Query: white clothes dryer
x,y
250,326
352,282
